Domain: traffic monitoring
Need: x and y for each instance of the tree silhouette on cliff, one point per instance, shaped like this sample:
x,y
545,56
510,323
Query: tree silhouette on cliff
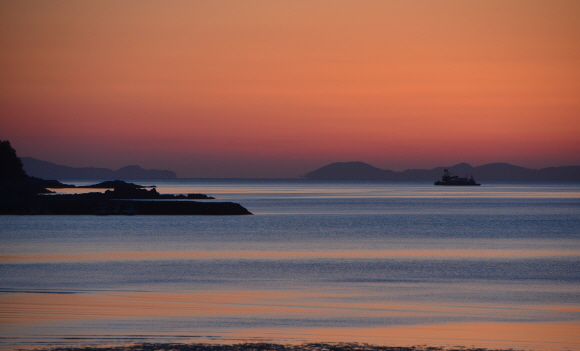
x,y
11,168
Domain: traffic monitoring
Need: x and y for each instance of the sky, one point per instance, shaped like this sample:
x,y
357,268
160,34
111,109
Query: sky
x,y
261,89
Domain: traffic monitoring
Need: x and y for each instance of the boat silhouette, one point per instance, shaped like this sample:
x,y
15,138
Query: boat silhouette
x,y
448,179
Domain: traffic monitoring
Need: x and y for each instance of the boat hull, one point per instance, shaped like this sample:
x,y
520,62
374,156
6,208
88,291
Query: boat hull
x,y
456,184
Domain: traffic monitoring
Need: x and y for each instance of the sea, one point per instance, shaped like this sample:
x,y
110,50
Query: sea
x,y
396,263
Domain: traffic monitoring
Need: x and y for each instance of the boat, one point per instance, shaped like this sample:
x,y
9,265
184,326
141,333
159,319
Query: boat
x,y
449,179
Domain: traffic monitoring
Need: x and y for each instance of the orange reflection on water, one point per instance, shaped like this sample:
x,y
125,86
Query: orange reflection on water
x,y
33,308
38,307
284,255
531,336
78,190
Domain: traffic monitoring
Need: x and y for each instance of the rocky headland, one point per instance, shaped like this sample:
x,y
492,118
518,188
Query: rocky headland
x,y
25,195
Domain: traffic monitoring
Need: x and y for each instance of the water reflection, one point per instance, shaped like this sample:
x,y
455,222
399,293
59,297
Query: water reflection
x,y
398,263
288,255
37,311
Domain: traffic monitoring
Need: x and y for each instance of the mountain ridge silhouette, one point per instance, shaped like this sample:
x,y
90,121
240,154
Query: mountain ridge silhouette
x,y
49,170
358,170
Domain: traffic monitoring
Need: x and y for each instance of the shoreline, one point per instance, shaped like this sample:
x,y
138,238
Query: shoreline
x,y
263,346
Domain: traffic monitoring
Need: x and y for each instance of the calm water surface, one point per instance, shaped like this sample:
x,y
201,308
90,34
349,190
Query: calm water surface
x,y
396,263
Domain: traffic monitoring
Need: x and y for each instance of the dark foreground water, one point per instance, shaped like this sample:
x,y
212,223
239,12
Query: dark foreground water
x,y
392,263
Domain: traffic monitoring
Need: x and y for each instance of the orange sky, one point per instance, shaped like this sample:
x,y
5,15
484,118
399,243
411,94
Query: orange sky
x,y
280,88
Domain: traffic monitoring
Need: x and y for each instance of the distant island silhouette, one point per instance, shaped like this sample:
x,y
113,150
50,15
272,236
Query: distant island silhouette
x,y
491,171
48,170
